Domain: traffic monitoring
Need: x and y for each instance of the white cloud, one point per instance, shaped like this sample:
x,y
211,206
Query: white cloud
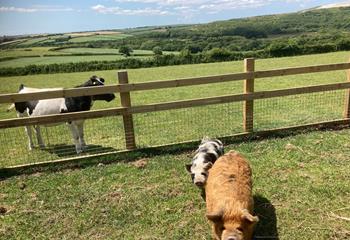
x,y
35,9
189,8
15,9
119,11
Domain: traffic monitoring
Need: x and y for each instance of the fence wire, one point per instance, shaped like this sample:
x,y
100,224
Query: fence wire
x,y
298,109
107,134
102,135
174,126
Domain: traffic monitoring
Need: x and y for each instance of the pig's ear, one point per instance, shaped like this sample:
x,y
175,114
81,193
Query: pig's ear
x,y
248,217
188,167
208,166
215,216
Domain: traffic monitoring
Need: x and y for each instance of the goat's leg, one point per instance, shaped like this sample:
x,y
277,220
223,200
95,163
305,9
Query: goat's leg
x,y
75,136
80,129
39,137
28,130
30,138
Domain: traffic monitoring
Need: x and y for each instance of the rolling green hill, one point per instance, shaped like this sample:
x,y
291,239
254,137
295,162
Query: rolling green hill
x,y
323,29
309,32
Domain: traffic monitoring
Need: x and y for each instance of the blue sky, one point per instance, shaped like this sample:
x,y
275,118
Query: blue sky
x,y
39,16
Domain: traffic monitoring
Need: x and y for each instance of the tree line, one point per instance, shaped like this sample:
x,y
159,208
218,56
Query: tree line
x,y
186,56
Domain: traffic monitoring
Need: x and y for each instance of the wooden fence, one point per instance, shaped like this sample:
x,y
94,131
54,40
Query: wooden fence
x,y
127,110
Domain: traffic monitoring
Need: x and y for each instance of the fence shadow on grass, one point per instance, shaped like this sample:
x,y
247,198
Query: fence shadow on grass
x,y
128,156
66,151
266,228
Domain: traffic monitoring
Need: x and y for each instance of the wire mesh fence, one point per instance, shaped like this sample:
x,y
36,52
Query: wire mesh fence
x,y
102,135
179,125
147,125
105,135
298,109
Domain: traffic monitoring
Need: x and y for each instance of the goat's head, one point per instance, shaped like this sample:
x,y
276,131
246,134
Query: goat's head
x,y
98,81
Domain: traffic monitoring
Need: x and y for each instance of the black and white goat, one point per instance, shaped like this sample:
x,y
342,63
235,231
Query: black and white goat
x,y
207,153
60,105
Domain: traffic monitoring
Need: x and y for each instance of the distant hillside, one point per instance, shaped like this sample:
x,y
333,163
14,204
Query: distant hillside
x,y
312,31
325,25
335,5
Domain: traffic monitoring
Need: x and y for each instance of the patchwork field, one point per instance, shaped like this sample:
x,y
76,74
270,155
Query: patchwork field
x,y
98,37
27,52
22,62
22,57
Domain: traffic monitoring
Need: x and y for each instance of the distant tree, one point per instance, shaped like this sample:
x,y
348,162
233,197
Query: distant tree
x,y
157,51
218,54
193,48
126,50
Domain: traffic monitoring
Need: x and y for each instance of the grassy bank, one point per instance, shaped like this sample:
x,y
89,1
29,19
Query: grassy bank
x,y
301,189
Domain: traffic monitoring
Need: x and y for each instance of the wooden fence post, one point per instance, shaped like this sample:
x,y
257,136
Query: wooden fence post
x,y
347,98
248,110
127,118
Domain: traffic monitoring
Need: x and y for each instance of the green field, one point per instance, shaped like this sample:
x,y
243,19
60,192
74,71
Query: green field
x,y
89,50
22,62
46,55
98,38
27,52
301,191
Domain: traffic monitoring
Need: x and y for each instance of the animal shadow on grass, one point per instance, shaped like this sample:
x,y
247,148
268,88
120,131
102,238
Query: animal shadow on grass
x,y
266,228
62,150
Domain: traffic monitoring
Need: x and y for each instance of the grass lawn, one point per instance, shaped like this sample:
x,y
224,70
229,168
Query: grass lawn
x,y
22,62
301,191
42,55
27,52
89,50
172,126
107,37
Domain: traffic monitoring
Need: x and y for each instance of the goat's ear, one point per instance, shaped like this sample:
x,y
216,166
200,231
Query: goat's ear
x,y
215,216
208,166
205,139
188,167
249,217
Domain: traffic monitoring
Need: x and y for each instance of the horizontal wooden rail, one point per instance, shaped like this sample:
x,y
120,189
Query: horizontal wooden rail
x,y
233,77
301,70
170,105
58,118
237,98
62,93
74,92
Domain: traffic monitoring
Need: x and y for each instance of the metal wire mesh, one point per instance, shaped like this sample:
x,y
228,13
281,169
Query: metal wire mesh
x,y
298,109
173,126
107,134
102,135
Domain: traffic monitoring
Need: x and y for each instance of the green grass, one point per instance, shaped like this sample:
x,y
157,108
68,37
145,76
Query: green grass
x,y
107,51
91,38
300,188
26,52
166,127
43,55
89,50
22,62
